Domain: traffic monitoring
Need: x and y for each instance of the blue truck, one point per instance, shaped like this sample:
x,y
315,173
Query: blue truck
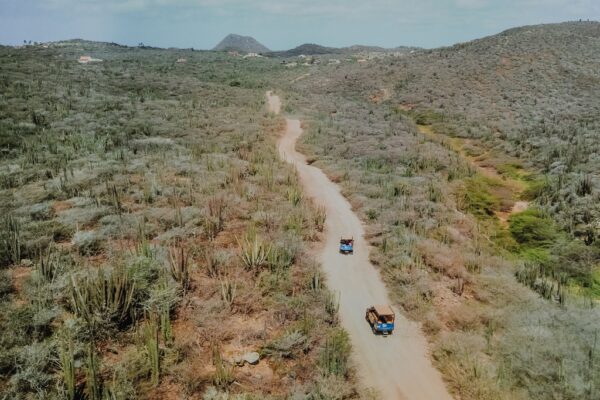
x,y
381,318
347,246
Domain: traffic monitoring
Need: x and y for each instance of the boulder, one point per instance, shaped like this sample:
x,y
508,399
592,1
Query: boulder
x,y
251,358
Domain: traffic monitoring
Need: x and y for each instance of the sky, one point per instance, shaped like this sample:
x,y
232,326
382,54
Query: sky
x,y
279,24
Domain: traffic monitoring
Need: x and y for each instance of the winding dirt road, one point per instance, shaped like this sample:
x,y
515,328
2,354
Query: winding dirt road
x,y
397,367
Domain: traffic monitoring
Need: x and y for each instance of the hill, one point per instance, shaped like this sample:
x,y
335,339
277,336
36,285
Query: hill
x,y
530,93
243,44
436,149
307,49
311,49
376,49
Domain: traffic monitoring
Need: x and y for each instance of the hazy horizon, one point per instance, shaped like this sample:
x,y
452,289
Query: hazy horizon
x,y
202,24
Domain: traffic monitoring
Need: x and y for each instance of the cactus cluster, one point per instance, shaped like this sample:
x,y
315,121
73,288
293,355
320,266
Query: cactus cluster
x,y
254,253
103,295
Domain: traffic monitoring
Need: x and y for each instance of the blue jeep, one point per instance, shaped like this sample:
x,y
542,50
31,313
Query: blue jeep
x,y
381,318
347,246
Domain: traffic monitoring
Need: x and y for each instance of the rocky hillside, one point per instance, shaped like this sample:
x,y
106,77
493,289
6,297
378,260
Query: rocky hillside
x,y
243,44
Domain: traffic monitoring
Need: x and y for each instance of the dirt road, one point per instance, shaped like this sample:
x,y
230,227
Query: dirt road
x,y
398,367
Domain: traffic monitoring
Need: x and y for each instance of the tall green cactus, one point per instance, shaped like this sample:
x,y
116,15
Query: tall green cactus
x,y
151,343
11,239
180,266
92,374
336,353
66,356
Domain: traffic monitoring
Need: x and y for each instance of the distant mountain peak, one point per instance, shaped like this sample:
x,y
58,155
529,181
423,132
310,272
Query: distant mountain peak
x,y
244,44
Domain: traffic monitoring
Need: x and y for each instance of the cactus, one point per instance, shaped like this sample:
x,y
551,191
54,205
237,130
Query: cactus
x,y
315,281
115,198
214,261
584,186
178,217
103,296
335,354
459,286
320,218
294,196
228,291
332,306
223,373
280,258
216,210
66,357
180,267
166,328
150,334
11,239
254,254
92,378
48,266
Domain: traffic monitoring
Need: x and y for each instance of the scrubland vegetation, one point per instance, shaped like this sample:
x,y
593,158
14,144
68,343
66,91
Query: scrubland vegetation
x,y
510,306
151,236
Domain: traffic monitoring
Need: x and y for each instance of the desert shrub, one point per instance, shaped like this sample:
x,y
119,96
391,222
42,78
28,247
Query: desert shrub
x,y
282,255
88,242
532,228
144,269
40,211
33,371
161,296
537,188
28,323
213,393
573,258
564,352
477,198
290,344
428,117
53,230
331,387
6,284
131,369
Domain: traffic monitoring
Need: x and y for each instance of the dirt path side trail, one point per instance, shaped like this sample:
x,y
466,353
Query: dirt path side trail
x,y
511,190
398,366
